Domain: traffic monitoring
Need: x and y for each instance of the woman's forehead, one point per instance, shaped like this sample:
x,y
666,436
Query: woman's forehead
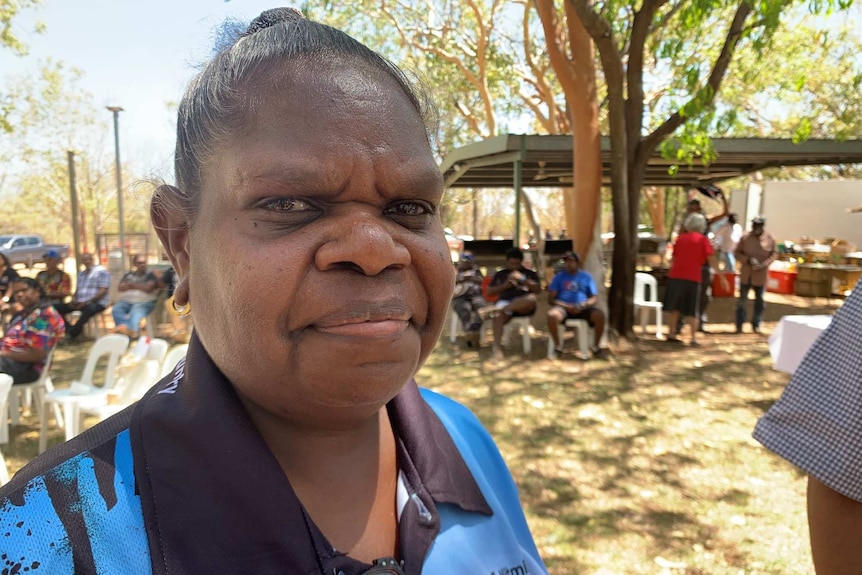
x,y
291,131
314,89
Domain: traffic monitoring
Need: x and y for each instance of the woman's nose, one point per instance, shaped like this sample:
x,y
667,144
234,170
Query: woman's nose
x,y
364,243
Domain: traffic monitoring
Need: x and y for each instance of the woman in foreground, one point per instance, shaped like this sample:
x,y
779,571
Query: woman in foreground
x,y
305,231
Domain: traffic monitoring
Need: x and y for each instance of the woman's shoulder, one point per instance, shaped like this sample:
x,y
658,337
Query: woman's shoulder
x,y
468,433
87,481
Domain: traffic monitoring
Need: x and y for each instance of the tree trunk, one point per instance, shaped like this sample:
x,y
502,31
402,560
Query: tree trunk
x,y
655,203
475,203
527,203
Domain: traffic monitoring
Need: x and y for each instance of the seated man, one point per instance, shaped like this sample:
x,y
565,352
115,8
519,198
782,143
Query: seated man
x,y
56,284
573,295
138,292
516,287
31,334
467,299
91,296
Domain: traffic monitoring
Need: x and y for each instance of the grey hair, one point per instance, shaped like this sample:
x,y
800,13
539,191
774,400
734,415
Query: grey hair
x,y
695,223
218,100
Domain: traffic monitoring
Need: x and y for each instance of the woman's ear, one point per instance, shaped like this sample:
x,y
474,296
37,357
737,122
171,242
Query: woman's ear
x,y
172,226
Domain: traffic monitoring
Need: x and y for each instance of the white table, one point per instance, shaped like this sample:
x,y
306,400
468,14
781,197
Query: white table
x,y
792,338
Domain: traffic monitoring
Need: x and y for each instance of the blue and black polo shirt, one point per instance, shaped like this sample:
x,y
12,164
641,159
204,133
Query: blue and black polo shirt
x,y
182,483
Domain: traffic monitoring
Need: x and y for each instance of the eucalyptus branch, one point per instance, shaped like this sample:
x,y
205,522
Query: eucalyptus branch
x,y
634,71
670,14
705,95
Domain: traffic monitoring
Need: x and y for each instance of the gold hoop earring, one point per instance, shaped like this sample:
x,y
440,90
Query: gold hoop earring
x,y
181,310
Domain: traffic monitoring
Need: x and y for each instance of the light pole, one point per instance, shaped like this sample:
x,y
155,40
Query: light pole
x,y
116,110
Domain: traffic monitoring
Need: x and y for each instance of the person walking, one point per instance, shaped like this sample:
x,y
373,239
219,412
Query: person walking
x,y
756,250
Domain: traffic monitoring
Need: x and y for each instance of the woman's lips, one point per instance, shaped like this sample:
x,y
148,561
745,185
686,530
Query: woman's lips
x,y
367,329
366,320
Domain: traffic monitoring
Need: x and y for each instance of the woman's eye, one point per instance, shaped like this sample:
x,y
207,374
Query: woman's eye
x,y
290,205
410,209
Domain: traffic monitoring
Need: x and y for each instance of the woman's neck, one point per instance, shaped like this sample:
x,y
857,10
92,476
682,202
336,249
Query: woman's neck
x,y
345,478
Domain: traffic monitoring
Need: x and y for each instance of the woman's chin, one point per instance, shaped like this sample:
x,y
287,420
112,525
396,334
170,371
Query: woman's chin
x,y
359,385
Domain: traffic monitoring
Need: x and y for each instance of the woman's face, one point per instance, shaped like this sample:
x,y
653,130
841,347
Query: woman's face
x,y
25,295
319,272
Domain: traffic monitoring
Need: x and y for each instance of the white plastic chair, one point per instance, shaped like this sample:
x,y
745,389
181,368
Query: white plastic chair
x,y
4,471
132,387
175,354
5,389
158,350
583,333
455,328
642,282
34,392
523,325
84,392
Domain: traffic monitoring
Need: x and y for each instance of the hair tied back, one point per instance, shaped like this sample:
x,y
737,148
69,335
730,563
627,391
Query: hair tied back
x,y
272,17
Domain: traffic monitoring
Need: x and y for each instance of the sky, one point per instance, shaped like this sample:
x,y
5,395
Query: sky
x,y
137,55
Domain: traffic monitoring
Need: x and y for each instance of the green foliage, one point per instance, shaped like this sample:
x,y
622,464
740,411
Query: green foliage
x,y
9,9
807,85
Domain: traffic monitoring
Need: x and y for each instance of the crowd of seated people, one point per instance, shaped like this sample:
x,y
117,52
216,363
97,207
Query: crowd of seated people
x,y
572,294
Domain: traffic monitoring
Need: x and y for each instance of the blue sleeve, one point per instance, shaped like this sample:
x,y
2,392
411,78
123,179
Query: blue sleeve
x,y
555,283
104,279
506,534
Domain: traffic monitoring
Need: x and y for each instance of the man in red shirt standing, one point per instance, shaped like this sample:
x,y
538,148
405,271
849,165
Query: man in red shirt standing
x,y
691,252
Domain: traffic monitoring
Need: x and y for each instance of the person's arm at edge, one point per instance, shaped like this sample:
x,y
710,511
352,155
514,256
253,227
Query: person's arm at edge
x,y
532,284
65,288
724,211
834,523
150,285
739,252
495,288
593,290
99,295
29,355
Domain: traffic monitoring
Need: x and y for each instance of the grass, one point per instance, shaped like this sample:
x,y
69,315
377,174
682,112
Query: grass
x,y
642,464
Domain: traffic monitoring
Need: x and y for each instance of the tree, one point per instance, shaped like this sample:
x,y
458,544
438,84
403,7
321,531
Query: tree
x,y
9,10
631,35
52,115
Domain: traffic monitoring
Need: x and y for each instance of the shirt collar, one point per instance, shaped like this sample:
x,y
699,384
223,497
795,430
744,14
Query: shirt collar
x,y
214,498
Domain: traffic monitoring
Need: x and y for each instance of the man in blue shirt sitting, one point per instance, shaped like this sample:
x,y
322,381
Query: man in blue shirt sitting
x,y
573,295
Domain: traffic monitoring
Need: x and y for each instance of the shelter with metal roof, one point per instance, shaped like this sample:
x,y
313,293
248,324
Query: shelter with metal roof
x,y
527,161
546,161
